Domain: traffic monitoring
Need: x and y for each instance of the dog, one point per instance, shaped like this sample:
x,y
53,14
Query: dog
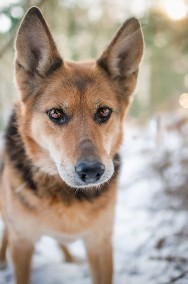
x,y
60,164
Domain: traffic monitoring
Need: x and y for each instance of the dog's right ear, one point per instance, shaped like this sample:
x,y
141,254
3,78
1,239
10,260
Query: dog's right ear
x,y
121,59
122,56
36,52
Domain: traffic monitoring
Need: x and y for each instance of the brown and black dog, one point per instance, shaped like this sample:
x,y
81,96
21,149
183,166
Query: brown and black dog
x,y
60,164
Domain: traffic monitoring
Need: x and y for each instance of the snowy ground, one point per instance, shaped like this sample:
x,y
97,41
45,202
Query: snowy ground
x,y
151,230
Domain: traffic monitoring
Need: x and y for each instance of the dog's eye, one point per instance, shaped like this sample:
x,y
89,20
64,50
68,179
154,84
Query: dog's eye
x,y
103,114
57,116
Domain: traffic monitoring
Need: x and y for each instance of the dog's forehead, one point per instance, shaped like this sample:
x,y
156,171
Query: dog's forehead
x,y
79,81
81,75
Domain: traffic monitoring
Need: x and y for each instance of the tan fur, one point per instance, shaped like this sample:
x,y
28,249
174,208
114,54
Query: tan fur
x,y
55,209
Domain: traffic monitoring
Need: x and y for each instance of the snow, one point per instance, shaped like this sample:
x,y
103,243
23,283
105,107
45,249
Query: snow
x,y
151,228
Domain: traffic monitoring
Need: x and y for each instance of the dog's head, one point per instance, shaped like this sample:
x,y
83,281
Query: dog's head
x,y
71,114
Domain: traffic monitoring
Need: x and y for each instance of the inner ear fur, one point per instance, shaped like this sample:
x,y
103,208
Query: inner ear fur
x,y
122,56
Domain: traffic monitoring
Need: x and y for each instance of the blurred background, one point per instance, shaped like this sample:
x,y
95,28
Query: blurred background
x,y
151,233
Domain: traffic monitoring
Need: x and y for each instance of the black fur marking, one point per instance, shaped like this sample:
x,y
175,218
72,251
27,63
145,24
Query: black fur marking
x,y
81,82
57,64
16,152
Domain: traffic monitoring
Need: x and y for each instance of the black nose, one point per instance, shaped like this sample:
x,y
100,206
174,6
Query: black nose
x,y
89,171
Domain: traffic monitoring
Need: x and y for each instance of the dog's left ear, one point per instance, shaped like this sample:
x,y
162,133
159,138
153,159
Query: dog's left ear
x,y
122,56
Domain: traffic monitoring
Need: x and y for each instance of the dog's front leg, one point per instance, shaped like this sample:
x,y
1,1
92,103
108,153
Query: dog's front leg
x,y
21,251
99,251
3,249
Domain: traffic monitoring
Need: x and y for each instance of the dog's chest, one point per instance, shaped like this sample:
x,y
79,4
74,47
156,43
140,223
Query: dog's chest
x,y
64,222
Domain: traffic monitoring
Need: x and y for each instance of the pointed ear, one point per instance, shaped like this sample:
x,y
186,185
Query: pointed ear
x,y
36,52
123,55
